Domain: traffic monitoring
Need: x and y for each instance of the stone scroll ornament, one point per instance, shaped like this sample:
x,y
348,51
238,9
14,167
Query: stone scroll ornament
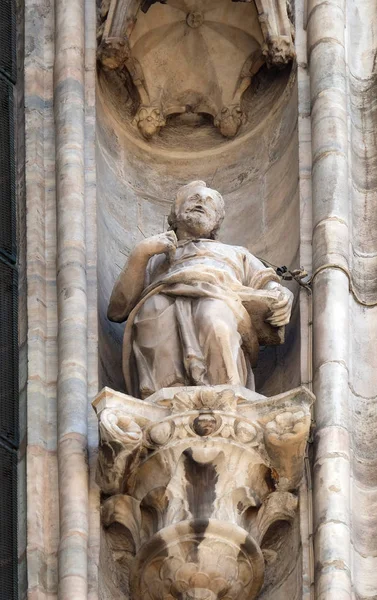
x,y
194,56
196,468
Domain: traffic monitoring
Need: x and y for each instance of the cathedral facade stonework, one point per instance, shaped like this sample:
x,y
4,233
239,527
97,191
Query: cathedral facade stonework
x,y
201,307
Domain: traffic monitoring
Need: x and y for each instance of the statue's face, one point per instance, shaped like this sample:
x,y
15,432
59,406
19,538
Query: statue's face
x,y
200,212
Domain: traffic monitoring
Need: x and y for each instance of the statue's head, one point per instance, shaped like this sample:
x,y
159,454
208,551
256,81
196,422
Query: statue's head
x,y
198,210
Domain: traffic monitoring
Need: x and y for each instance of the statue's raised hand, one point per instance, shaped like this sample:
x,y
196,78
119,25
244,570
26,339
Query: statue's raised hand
x,y
158,244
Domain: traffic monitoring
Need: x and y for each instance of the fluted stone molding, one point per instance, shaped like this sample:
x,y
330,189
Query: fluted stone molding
x,y
326,50
91,282
69,101
72,386
42,499
61,280
361,51
72,304
305,184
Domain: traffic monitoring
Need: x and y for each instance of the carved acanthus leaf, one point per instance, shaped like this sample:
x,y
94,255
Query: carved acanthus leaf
x,y
206,399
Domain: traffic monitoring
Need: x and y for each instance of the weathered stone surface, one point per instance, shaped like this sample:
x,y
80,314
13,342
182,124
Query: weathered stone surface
x,y
191,57
196,479
269,212
197,310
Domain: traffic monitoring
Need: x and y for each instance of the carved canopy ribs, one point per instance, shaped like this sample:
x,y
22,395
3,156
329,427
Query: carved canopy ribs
x,y
193,56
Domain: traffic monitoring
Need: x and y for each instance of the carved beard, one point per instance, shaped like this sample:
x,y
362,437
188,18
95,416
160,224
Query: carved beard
x,y
197,224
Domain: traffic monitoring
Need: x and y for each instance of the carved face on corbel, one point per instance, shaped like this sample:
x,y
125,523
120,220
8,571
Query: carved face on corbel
x,y
149,121
229,120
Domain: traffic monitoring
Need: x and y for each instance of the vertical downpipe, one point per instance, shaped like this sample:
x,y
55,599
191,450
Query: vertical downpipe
x,y
69,99
331,469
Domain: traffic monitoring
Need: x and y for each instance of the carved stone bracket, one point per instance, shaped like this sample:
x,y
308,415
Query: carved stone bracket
x,y
278,31
194,479
193,56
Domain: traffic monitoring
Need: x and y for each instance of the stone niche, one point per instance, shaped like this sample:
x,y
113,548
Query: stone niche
x,y
251,513
256,172
200,492
192,57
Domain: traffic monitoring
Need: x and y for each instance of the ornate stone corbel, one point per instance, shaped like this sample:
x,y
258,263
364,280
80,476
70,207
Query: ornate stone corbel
x,y
229,120
113,53
149,121
195,479
278,31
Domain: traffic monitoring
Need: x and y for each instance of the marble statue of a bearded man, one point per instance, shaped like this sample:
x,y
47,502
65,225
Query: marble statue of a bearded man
x,y
196,309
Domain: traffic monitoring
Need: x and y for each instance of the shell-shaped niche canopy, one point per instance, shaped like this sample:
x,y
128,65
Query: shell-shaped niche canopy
x,y
195,57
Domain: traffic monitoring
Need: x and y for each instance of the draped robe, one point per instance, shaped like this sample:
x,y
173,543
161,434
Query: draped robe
x,y
200,319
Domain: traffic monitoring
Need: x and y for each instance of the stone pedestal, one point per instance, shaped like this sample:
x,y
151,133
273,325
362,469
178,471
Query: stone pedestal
x,y
194,480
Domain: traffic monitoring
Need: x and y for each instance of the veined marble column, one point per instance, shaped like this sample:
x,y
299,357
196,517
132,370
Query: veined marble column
x,y
362,48
69,103
326,22
42,486
91,282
